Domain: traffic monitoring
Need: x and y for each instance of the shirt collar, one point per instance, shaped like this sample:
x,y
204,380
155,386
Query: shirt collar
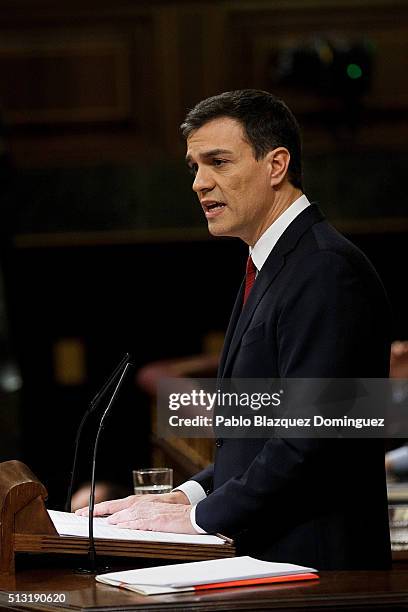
x,y
263,247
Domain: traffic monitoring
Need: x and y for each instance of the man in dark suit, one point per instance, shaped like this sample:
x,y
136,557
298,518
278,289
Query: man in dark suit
x,y
312,306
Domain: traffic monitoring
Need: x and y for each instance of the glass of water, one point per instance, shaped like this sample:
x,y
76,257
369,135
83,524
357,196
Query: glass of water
x,y
152,480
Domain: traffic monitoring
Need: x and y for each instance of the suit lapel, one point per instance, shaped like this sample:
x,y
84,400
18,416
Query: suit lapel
x,y
241,318
262,283
236,311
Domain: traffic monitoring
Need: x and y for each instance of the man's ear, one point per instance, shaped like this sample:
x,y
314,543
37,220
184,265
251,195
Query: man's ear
x,y
278,164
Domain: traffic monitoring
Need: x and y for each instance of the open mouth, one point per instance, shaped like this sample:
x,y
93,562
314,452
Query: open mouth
x,y
210,206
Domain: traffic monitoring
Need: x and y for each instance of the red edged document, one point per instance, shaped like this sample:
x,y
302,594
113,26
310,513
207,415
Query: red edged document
x,y
204,575
253,581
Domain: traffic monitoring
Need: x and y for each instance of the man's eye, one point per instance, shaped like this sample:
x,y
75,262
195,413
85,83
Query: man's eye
x,y
218,162
193,169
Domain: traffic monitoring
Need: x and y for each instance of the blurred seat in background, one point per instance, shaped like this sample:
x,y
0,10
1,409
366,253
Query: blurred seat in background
x,y
396,460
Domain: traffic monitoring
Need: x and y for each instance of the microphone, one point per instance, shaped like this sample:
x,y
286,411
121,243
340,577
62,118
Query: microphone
x,y
91,408
92,551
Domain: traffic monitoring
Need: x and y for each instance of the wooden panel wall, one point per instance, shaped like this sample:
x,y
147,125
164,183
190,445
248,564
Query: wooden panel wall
x,y
113,79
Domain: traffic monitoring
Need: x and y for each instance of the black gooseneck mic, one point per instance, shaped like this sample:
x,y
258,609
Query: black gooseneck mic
x,y
92,406
92,551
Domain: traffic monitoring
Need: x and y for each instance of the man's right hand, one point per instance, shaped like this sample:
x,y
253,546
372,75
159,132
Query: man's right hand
x,y
116,505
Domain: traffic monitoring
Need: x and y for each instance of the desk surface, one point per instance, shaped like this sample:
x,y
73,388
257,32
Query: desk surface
x,y
334,590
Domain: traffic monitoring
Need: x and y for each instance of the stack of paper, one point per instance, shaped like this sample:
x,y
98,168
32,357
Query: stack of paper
x,y
214,574
69,524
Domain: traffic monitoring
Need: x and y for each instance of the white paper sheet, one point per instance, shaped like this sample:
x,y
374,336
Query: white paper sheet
x,y
69,524
203,572
143,589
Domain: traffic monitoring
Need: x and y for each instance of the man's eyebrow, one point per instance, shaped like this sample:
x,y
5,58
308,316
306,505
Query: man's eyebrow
x,y
211,153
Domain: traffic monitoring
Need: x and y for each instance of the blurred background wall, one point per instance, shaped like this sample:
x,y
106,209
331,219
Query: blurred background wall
x,y
97,213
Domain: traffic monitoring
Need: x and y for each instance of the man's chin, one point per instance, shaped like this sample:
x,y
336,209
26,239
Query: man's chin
x,y
217,229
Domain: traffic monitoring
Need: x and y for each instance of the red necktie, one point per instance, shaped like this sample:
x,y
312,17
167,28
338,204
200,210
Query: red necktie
x,y
249,278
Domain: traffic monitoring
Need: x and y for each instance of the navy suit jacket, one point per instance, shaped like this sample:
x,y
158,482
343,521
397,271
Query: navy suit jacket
x,y
317,309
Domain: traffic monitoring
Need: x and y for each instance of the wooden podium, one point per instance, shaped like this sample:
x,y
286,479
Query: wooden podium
x,y
25,526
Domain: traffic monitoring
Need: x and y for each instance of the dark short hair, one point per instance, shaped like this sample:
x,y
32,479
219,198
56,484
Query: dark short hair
x,y
267,122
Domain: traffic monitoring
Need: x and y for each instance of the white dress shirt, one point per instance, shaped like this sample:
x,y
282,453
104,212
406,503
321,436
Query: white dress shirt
x,y
259,253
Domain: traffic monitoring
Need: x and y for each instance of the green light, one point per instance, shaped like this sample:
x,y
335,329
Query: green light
x,y
354,71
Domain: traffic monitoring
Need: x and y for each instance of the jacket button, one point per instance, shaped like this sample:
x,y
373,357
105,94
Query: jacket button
x,y
219,442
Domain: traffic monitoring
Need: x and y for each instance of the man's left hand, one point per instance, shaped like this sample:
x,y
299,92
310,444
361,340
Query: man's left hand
x,y
155,516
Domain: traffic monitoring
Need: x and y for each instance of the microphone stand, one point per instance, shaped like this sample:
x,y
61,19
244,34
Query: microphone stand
x,y
92,565
92,406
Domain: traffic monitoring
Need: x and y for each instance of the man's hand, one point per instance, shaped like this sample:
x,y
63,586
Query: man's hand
x,y
117,505
153,515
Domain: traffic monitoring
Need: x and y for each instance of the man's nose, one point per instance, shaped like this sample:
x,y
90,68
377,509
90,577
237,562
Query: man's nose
x,y
203,181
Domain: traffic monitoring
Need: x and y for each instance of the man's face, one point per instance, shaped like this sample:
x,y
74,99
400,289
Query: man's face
x,y
234,188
